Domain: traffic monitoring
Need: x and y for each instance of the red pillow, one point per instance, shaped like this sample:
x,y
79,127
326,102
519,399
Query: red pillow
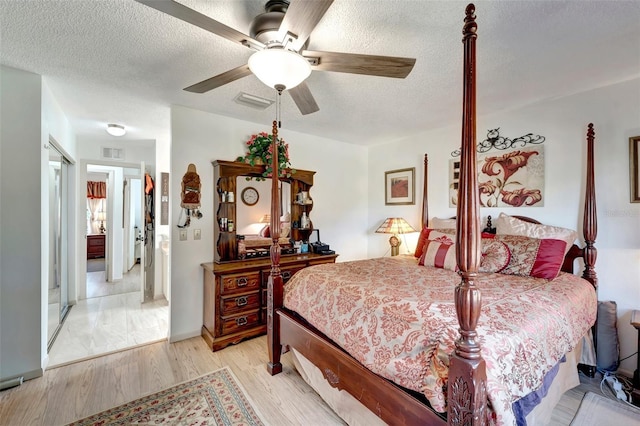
x,y
434,235
265,232
533,257
439,255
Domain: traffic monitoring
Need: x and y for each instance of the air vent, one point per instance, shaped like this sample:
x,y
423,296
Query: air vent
x,y
252,101
109,153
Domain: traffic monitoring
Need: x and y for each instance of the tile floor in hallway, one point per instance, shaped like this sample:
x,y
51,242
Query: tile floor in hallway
x,y
112,322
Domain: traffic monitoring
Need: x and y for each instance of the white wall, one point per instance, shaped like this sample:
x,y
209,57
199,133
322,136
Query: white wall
x,y
615,112
20,224
29,117
339,194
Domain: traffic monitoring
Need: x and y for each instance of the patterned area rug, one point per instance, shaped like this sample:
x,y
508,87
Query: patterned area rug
x,y
214,399
596,410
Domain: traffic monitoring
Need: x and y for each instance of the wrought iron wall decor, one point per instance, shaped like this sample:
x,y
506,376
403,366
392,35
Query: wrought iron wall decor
x,y
494,140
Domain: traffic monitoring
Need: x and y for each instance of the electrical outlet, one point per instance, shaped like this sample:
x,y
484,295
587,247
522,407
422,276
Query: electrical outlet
x,y
196,234
183,235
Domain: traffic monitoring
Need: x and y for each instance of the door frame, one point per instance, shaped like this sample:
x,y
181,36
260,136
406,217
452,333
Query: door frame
x,y
81,264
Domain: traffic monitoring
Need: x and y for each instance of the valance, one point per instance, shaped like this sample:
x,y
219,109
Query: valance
x,y
96,189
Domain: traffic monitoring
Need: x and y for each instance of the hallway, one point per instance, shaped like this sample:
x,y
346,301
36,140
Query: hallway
x,y
108,322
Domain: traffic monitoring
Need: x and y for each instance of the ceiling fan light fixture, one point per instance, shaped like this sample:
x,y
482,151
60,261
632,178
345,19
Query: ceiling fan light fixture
x,y
116,129
277,66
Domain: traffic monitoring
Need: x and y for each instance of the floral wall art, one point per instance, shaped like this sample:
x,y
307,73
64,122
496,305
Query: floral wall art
x,y
513,178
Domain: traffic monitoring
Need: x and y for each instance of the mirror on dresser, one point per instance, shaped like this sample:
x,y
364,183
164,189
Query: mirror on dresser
x,y
237,215
249,217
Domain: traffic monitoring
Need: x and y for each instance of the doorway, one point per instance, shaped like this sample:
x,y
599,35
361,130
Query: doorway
x,y
110,314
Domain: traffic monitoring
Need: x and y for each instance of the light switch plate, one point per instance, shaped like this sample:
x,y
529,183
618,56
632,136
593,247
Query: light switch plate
x,y
183,235
196,234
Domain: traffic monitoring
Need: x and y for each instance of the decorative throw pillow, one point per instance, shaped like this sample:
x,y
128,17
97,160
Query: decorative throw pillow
x,y
434,235
265,232
495,256
438,255
533,257
509,225
438,223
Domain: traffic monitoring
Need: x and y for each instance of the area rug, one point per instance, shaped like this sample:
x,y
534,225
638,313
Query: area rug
x,y
213,399
95,265
597,410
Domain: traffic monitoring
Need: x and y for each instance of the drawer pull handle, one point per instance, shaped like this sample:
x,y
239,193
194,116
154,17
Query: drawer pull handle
x,y
242,281
241,321
241,301
286,275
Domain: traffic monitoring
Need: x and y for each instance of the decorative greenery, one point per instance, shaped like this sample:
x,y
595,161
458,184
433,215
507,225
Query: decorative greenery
x,y
259,151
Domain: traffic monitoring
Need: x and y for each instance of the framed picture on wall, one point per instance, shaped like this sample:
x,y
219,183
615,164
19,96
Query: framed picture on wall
x,y
400,186
634,163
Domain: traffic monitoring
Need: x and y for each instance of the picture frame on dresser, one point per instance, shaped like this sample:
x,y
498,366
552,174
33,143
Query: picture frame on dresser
x,y
634,165
400,187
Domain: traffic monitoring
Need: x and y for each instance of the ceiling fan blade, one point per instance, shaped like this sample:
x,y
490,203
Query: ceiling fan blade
x,y
220,79
383,66
304,99
186,14
301,18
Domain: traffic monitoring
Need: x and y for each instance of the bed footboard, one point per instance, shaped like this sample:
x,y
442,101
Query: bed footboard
x,y
339,369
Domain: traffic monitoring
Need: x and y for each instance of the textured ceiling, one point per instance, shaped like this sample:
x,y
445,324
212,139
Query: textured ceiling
x,y
120,61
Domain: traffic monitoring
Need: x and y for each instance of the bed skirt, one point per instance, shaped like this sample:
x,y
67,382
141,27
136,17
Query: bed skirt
x,y
354,413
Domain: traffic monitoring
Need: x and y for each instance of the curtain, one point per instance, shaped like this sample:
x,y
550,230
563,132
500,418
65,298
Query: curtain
x,y
96,189
96,193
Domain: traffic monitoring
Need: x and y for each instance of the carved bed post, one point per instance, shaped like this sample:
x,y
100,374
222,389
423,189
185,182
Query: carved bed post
x,y
590,219
425,201
274,291
467,398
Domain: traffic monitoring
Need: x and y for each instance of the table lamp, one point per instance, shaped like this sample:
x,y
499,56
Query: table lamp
x,y
395,226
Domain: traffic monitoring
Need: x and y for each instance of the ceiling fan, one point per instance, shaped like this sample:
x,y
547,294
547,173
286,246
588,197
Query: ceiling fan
x,y
280,36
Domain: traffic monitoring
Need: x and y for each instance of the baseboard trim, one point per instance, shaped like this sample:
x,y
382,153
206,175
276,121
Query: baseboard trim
x,y
183,336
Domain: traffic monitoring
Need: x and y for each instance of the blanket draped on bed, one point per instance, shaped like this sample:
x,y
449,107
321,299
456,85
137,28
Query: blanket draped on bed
x,y
398,319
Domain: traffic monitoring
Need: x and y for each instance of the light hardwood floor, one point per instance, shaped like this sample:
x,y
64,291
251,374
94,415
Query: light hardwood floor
x,y
74,391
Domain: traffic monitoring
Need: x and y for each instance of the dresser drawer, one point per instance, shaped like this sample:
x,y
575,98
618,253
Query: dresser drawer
x,y
286,273
240,322
234,283
240,302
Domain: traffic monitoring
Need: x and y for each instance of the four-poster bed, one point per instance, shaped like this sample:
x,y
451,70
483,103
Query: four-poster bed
x,y
457,381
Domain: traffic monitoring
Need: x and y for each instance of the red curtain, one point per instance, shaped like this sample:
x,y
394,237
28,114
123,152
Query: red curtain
x,y
96,189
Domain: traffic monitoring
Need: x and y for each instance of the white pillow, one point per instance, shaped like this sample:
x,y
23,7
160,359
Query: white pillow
x,y
509,225
437,223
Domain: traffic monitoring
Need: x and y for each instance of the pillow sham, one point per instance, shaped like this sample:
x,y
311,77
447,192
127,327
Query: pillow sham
x,y
540,258
495,256
439,255
432,234
509,225
265,232
438,223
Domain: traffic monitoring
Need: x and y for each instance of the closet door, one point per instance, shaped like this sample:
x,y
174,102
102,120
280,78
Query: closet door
x,y
58,287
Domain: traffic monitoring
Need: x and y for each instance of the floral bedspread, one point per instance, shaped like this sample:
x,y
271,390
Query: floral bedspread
x,y
398,319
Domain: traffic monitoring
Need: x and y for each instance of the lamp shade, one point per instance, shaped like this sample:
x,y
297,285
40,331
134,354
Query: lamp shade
x,y
395,225
278,66
265,219
101,216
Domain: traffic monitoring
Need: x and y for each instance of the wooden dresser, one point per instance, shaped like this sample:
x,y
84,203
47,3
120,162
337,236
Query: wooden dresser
x,y
235,296
95,246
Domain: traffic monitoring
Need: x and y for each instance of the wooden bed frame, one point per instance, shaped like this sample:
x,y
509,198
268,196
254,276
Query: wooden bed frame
x,y
466,393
